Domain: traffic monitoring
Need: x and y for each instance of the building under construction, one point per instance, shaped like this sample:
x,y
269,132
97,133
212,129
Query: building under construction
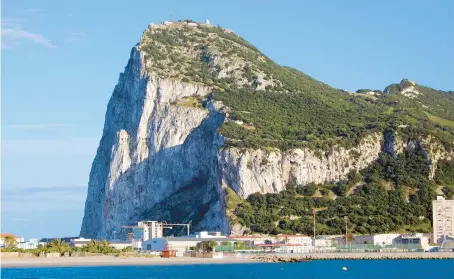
x,y
146,230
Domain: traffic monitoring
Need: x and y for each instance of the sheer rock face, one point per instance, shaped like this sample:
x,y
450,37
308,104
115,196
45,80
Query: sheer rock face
x,y
149,150
262,171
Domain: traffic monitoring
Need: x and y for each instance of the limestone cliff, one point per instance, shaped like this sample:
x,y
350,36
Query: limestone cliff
x,y
249,171
151,149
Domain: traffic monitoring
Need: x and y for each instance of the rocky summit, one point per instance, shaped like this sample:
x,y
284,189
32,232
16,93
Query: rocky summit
x,y
201,120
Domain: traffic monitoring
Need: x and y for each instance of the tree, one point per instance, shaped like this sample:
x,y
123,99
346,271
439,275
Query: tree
x,y
10,242
127,249
212,244
206,246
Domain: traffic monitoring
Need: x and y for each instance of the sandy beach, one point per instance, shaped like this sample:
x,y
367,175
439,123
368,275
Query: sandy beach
x,y
118,261
113,261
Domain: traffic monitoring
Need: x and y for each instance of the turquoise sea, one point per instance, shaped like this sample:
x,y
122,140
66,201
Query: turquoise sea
x,y
359,269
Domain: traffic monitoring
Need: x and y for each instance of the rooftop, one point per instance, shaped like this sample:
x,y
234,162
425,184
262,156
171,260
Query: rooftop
x,y
3,235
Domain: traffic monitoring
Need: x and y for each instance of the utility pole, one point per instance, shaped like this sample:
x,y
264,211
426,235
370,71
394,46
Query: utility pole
x,y
313,212
346,231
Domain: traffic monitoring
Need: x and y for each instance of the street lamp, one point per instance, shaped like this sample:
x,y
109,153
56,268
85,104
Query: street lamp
x,y
114,232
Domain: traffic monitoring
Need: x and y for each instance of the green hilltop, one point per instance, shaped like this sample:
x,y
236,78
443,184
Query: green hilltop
x,y
300,111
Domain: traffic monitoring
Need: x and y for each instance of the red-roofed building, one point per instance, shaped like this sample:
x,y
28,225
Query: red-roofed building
x,y
4,235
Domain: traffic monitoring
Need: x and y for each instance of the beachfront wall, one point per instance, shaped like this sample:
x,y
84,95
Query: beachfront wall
x,y
294,249
210,255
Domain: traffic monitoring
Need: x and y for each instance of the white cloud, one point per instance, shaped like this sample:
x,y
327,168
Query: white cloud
x,y
76,37
37,126
13,36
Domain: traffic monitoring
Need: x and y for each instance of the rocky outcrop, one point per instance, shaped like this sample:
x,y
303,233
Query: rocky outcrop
x,y
393,143
249,171
435,152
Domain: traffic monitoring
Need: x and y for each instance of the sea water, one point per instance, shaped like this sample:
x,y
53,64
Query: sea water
x,y
356,269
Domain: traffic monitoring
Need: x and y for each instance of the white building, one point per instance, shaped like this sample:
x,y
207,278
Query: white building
x,y
147,230
294,239
413,240
32,243
443,219
377,240
136,244
79,242
205,234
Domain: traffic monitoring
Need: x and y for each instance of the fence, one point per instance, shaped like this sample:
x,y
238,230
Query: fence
x,y
224,248
378,248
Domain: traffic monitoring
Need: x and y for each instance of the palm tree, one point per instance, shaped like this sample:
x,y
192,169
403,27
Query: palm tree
x,y
10,242
57,245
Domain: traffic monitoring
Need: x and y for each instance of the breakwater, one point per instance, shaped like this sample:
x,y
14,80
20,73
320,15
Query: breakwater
x,y
354,256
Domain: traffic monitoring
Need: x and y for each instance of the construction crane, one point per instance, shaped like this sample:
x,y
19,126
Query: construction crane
x,y
129,227
315,210
169,226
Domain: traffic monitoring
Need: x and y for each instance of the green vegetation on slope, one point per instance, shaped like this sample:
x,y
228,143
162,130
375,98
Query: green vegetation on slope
x,y
289,120
321,118
444,176
372,208
281,106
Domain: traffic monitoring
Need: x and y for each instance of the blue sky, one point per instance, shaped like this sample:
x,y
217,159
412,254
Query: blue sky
x,y
61,61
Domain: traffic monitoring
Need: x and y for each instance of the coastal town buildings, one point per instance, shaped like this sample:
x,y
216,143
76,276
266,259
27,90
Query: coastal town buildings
x,y
443,219
32,243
